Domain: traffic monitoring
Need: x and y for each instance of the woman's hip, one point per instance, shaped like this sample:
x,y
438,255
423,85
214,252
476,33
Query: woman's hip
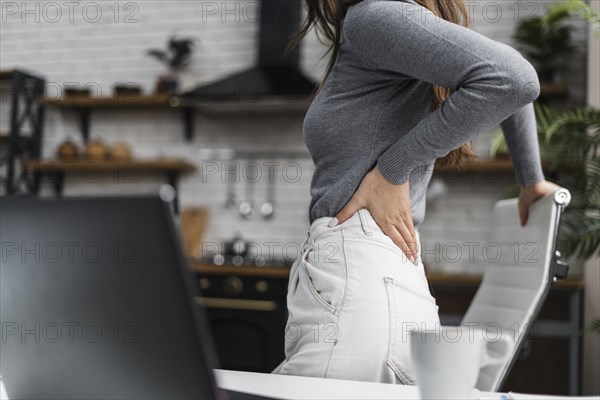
x,y
353,296
353,262
357,249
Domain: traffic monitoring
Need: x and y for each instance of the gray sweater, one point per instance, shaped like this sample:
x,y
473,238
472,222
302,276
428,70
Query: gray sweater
x,y
376,105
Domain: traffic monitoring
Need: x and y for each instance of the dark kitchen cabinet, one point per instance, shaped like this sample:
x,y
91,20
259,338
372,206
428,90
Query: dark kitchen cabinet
x,y
247,314
248,340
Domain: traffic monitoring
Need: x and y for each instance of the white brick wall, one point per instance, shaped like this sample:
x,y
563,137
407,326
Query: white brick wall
x,y
73,47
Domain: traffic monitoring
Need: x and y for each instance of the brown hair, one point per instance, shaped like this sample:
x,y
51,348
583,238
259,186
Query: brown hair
x,y
326,16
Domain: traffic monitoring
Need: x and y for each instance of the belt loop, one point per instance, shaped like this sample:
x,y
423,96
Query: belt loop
x,y
364,221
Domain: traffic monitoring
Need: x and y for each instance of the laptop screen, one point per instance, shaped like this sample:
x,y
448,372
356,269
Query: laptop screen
x,y
95,303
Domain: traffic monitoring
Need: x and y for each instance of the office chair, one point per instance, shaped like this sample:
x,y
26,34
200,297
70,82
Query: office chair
x,y
521,265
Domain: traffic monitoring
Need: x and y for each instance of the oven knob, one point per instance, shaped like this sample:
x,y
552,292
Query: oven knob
x,y
232,285
237,260
204,283
261,286
218,259
260,261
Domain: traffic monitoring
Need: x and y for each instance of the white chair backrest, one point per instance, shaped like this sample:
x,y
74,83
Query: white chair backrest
x,y
519,269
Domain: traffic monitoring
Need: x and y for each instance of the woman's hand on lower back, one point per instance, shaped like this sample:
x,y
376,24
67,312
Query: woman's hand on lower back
x,y
532,193
389,204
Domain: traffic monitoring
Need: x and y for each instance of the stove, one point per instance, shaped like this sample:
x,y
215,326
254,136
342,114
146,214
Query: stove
x,y
239,260
239,252
246,310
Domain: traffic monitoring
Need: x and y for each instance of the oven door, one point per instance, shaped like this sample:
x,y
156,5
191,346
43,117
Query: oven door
x,y
247,325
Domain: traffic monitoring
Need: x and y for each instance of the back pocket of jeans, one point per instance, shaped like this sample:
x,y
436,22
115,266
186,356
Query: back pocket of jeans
x,y
409,309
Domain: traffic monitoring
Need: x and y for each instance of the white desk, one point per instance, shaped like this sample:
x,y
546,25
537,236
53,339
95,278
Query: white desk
x,y
300,387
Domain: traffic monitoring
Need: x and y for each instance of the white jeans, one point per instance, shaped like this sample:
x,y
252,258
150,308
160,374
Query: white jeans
x,y
353,297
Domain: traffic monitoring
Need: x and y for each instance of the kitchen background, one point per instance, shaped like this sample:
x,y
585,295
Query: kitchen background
x,y
70,48
97,45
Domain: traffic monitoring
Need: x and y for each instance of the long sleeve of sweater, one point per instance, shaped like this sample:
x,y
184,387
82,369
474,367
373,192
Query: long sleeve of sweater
x,y
520,134
492,84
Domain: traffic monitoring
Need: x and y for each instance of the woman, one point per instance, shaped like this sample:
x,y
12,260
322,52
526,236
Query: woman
x,y
408,84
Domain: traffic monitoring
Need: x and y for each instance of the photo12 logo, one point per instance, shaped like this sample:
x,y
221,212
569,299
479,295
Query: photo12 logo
x,y
69,11
71,332
69,252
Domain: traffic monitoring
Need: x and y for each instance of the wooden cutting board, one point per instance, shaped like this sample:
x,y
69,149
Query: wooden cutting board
x,y
194,221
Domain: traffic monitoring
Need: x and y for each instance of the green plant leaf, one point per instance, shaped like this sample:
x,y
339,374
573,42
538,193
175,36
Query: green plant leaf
x,y
498,145
594,327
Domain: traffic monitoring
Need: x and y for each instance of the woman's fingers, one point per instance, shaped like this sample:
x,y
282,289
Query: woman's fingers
x,y
411,228
393,233
409,239
389,205
532,193
349,209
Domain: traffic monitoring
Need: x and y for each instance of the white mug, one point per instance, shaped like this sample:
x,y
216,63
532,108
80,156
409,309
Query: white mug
x,y
447,360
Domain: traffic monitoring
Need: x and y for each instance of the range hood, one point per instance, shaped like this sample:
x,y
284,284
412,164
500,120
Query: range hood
x,y
272,78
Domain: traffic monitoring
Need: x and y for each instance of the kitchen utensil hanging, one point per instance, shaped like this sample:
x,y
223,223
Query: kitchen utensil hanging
x,y
267,208
230,181
246,208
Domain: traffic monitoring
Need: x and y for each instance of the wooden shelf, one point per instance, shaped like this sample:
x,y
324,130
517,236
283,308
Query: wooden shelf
x,y
549,89
472,279
9,74
124,100
271,105
481,165
262,272
57,169
433,277
158,165
84,105
5,74
496,166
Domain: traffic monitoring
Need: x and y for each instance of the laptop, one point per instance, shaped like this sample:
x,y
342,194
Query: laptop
x,y
96,302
